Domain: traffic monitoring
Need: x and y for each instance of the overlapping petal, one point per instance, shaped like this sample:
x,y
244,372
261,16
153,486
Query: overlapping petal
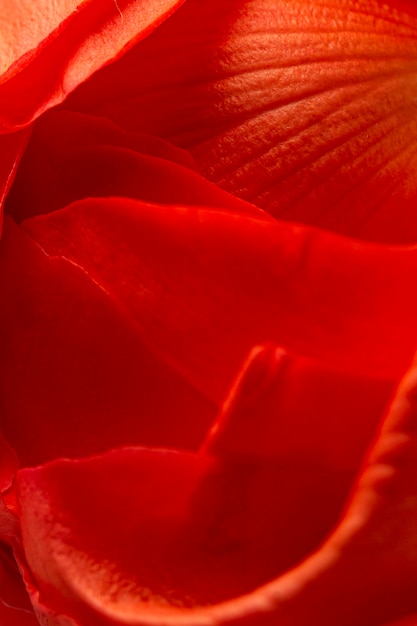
x,y
133,290
183,531
73,156
205,286
48,48
287,406
114,282
141,553
197,288
305,109
72,367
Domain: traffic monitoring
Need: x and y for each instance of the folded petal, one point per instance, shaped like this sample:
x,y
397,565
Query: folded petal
x,y
76,377
144,534
73,156
379,530
48,48
306,109
205,286
154,536
286,406
365,573
141,522
222,264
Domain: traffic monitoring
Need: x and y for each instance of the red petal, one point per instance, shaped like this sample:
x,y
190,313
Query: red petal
x,y
15,617
126,511
205,286
366,573
14,600
167,531
72,156
11,149
289,407
48,48
384,509
304,108
137,532
75,377
407,621
8,465
139,536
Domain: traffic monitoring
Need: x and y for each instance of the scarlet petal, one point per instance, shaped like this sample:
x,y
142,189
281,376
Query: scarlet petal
x,y
366,573
384,509
75,374
15,617
48,48
8,464
285,406
15,607
170,533
146,534
305,108
205,286
407,621
73,156
125,512
11,149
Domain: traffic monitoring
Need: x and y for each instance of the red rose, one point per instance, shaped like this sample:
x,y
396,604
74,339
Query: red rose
x,y
207,277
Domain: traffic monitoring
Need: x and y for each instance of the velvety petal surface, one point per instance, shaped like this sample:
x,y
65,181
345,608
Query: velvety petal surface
x,y
129,553
140,532
75,377
306,109
73,156
47,48
205,286
165,531
186,514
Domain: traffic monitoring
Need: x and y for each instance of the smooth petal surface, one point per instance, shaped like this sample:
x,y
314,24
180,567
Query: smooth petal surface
x,y
48,48
76,377
306,109
205,286
8,465
289,407
13,617
407,621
